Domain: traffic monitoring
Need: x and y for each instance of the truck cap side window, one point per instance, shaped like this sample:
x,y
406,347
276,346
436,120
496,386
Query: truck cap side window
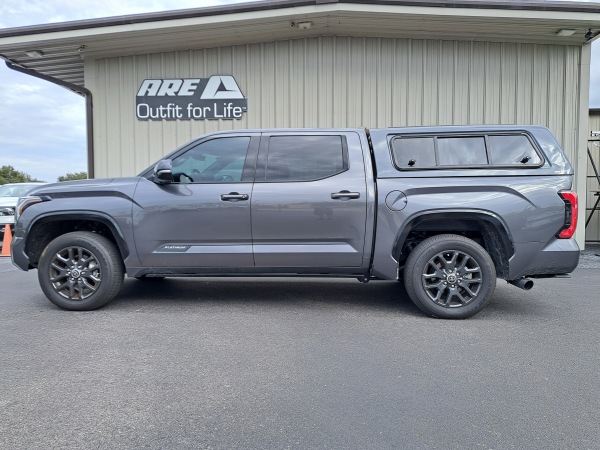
x,y
462,151
444,151
414,152
512,150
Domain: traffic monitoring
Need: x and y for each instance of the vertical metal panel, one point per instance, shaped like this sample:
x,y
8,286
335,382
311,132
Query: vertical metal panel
x,y
493,91
340,95
592,232
460,101
341,82
508,87
477,82
524,87
415,83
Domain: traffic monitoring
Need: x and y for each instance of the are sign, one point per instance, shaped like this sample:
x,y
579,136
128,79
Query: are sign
x,y
217,97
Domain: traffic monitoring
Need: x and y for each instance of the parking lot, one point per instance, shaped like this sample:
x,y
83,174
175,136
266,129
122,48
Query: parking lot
x,y
288,363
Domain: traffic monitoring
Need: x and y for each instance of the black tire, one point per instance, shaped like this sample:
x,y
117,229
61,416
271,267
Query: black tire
x,y
80,271
450,277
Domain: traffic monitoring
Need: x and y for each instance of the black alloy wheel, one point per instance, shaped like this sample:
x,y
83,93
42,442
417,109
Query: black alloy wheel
x,y
450,276
80,271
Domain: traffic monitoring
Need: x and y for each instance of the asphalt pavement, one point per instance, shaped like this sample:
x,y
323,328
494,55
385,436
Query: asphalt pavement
x,y
299,364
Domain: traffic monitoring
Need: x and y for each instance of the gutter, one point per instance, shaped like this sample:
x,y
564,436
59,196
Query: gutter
x,y
265,5
79,90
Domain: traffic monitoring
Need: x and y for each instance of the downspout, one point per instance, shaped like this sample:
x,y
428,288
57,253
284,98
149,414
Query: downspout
x,y
88,107
581,162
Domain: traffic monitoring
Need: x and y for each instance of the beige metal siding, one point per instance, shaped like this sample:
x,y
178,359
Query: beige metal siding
x,y
592,232
341,82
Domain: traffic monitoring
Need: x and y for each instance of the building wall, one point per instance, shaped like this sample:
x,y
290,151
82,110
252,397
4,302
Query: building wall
x,y
341,82
592,231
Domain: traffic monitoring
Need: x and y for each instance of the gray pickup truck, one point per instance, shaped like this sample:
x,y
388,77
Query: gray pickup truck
x,y
445,209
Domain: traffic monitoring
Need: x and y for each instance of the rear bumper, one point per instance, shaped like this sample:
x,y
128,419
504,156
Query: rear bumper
x,y
559,256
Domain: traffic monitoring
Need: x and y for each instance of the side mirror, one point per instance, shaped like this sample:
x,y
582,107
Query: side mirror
x,y
163,172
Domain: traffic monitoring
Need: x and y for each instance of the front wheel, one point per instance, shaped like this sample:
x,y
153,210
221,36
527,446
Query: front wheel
x,y
449,276
80,271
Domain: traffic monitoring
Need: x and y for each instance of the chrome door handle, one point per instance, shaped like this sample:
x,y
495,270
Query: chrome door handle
x,y
345,195
234,197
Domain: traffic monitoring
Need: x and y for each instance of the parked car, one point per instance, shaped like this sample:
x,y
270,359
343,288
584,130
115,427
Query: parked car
x,y
9,196
448,210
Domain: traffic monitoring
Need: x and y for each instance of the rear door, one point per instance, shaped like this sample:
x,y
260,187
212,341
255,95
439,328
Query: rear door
x,y
309,204
203,218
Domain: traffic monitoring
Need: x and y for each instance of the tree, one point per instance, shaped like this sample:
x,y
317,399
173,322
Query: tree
x,y
74,176
8,174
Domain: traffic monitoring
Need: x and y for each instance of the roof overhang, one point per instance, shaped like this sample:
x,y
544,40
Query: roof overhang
x,y
58,50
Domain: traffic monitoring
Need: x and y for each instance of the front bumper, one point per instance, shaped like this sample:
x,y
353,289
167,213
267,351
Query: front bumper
x,y
18,255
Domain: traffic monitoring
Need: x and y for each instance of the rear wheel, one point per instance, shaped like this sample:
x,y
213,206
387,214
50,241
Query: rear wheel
x,y
449,276
80,271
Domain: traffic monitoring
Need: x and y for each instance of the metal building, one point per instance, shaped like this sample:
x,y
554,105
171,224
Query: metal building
x,y
592,221
317,63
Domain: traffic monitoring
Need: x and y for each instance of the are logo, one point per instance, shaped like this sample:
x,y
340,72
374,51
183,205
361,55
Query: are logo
x,y
217,97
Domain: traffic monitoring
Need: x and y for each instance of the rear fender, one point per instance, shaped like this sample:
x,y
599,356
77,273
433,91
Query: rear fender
x,y
482,226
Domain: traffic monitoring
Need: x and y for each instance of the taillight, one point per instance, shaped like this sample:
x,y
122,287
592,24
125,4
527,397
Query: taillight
x,y
570,199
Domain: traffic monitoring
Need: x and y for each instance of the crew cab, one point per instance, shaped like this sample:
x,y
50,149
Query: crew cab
x,y
446,210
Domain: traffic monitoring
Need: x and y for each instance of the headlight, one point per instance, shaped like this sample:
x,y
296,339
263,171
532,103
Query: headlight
x,y
26,202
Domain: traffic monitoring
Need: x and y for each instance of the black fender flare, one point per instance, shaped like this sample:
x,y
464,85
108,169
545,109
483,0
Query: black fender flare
x,y
84,215
439,217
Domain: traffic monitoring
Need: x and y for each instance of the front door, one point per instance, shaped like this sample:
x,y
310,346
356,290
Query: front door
x,y
203,218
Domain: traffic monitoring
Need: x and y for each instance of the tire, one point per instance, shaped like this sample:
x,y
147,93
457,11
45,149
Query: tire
x,y
80,271
450,277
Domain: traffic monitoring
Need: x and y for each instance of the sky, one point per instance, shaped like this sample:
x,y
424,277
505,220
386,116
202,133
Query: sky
x,y
42,126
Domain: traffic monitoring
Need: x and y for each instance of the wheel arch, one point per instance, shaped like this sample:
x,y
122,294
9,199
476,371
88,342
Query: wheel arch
x,y
47,227
483,227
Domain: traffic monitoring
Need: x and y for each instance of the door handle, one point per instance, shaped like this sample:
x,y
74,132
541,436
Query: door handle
x,y
234,197
345,195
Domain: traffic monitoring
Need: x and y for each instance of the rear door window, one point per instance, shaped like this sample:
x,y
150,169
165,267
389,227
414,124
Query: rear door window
x,y
305,158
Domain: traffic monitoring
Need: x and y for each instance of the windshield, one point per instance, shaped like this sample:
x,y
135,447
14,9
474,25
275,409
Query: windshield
x,y
16,190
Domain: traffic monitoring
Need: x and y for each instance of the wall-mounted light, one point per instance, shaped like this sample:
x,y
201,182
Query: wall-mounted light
x,y
566,32
34,53
304,25
589,34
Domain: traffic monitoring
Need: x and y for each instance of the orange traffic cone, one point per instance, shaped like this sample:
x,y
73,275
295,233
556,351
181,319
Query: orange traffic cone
x,y
6,242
